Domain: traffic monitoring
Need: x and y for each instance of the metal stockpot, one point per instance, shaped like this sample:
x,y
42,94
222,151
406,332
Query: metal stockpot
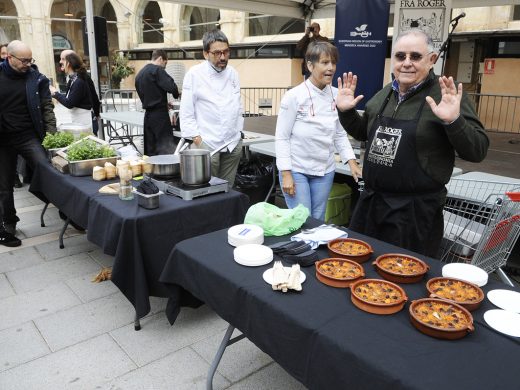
x,y
195,166
164,165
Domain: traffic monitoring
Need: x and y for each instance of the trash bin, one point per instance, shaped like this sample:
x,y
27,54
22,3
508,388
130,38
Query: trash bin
x,y
338,205
254,178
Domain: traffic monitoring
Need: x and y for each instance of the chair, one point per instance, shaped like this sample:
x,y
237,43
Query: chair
x,y
121,100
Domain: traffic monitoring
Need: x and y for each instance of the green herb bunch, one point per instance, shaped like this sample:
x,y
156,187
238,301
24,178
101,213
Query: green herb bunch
x,y
88,149
57,140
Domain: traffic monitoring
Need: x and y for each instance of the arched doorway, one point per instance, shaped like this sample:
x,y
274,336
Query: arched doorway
x,y
67,33
9,28
151,25
198,20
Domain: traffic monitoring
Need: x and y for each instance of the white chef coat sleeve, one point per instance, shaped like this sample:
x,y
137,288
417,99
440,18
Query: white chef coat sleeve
x,y
189,127
342,144
284,127
240,120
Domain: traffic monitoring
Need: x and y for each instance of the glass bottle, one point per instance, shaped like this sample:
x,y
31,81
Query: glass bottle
x,y
125,184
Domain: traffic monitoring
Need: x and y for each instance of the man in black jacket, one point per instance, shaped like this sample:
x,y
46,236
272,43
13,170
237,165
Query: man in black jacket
x,y
152,84
26,114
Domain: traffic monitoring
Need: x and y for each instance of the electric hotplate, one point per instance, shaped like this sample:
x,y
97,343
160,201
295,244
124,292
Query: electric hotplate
x,y
187,192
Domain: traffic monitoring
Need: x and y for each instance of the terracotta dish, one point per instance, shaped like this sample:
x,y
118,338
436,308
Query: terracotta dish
x,y
338,272
440,318
400,268
464,293
350,249
377,296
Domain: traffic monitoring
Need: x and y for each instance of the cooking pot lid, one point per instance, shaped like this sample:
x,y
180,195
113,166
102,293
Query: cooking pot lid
x,y
163,159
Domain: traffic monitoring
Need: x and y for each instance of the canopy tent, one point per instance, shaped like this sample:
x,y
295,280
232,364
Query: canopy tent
x,y
315,9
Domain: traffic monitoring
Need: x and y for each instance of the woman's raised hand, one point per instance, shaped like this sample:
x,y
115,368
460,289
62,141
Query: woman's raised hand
x,y
346,89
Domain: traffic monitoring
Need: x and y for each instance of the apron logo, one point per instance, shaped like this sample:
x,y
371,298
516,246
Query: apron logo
x,y
384,146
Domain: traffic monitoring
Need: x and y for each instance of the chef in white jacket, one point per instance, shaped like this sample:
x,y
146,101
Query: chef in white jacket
x,y
308,132
211,110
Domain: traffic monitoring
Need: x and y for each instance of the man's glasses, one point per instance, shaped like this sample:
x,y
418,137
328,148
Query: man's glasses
x,y
24,61
219,53
414,56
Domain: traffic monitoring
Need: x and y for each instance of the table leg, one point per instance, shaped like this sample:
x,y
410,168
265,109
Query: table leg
x,y
137,323
42,222
273,186
226,341
67,221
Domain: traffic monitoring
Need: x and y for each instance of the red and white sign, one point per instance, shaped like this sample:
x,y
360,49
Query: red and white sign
x,y
489,66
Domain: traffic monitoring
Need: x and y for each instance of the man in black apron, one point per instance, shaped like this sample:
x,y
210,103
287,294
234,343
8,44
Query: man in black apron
x,y
411,146
152,84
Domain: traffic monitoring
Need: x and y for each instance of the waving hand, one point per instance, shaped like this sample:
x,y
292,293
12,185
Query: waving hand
x,y
346,89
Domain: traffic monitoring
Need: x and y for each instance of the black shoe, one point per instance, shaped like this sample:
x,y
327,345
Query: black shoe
x,y
10,228
7,239
17,182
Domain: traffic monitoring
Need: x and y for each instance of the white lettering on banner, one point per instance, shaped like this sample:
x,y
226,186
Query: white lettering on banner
x,y
384,146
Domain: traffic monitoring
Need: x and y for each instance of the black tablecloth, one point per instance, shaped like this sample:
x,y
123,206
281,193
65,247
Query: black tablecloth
x,y
142,239
139,239
70,194
325,342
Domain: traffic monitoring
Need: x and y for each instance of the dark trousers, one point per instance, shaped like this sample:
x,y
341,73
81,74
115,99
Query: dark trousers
x,y
158,133
33,153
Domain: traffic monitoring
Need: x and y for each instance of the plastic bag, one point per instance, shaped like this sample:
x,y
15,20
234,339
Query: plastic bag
x,y
254,178
276,221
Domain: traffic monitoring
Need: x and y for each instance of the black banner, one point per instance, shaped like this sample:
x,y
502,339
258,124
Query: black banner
x,y
361,35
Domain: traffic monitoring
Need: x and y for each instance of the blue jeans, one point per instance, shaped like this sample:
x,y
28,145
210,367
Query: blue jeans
x,y
312,192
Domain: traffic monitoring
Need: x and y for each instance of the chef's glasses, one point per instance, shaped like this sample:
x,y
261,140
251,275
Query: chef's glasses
x,y
219,53
311,108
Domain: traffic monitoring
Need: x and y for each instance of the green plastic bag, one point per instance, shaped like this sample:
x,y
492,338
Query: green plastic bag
x,y
276,221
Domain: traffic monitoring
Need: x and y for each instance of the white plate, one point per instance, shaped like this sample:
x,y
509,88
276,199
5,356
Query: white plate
x,y
505,299
469,273
253,255
268,275
503,321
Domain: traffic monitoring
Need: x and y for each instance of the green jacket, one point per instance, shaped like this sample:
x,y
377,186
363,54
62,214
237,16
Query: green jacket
x,y
436,142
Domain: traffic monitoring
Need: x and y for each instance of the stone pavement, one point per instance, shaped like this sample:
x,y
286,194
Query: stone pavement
x,y
58,330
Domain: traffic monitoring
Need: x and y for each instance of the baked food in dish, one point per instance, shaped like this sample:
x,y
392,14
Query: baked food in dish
x,y
440,318
464,293
350,248
338,272
400,268
378,296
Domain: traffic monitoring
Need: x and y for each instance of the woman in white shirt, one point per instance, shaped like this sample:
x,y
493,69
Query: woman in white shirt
x,y
308,133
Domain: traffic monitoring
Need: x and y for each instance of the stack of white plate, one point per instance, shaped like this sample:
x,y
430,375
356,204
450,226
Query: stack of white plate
x,y
253,255
245,234
469,273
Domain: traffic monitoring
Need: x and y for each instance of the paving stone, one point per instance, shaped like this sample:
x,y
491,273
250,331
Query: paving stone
x,y
239,360
82,366
33,217
21,308
6,290
28,202
88,291
35,229
21,344
157,304
85,321
18,259
23,193
51,272
101,258
73,245
158,338
182,370
271,377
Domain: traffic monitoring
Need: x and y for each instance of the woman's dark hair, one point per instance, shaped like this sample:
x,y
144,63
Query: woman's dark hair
x,y
77,65
317,48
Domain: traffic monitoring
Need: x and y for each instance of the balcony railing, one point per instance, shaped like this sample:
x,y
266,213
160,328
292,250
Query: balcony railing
x,y
500,113
262,101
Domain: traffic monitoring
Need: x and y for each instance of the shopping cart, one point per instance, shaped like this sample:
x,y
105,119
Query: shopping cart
x,y
481,223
